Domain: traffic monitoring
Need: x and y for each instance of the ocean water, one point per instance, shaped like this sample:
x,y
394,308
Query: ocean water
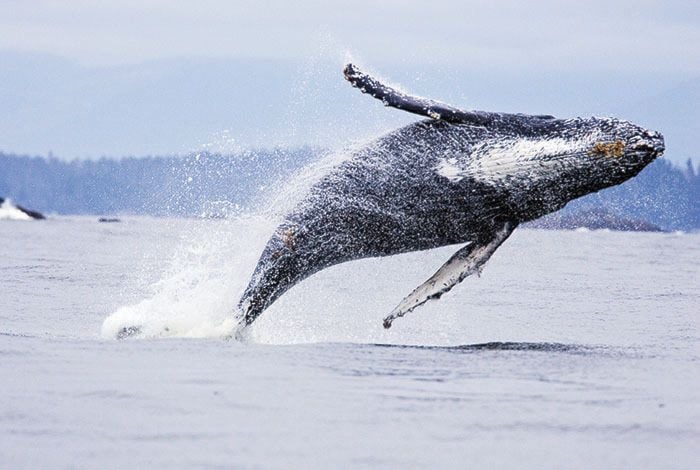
x,y
572,350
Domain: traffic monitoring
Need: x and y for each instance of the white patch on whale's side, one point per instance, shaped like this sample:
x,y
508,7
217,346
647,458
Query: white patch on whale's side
x,y
517,158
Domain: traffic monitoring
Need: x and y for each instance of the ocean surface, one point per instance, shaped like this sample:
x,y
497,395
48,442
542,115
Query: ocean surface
x,y
572,350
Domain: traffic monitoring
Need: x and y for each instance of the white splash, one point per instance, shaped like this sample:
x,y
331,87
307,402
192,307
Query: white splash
x,y
196,296
9,211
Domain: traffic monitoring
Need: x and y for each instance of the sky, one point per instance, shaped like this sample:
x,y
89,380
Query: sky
x,y
638,35
555,57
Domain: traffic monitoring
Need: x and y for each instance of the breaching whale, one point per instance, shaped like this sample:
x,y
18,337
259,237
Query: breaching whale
x,y
457,177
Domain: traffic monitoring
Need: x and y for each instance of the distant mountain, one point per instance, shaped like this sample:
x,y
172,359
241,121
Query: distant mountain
x,y
167,107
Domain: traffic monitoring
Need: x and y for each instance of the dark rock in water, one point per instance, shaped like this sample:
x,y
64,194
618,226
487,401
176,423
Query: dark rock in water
x,y
108,219
128,332
33,214
594,219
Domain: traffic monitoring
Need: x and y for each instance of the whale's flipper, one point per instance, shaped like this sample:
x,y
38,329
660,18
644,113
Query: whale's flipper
x,y
465,262
413,104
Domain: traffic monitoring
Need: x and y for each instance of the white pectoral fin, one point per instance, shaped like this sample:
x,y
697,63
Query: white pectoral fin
x,y
466,261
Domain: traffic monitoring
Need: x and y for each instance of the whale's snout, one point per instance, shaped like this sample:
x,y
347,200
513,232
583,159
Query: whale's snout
x,y
650,143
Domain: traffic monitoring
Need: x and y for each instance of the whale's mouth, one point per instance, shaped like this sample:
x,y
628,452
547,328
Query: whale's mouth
x,y
650,143
647,148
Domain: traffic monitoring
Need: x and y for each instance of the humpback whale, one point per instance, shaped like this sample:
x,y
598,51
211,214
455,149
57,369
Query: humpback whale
x,y
457,177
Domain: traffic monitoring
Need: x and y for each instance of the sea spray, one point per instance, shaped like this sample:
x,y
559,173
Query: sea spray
x,y
8,211
203,280
197,291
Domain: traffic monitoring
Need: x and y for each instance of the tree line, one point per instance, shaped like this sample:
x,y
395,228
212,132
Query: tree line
x,y
207,184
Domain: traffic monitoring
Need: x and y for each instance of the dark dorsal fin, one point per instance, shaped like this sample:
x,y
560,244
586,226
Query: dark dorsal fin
x,y
412,104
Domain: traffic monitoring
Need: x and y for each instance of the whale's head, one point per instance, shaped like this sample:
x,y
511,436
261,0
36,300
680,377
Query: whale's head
x,y
593,154
545,165
617,150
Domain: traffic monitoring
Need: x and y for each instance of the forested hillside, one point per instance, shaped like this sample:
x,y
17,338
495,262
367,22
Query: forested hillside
x,y
216,185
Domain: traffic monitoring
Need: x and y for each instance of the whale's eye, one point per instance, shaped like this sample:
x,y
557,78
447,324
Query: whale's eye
x,y
609,149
